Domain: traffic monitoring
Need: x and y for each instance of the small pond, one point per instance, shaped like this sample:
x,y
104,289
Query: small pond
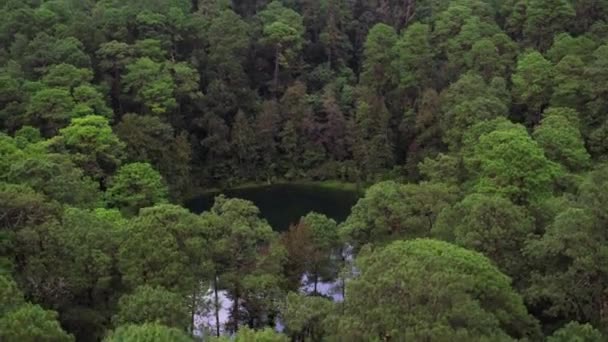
x,y
284,204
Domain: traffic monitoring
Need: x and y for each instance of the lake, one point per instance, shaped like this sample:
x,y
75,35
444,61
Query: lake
x,y
284,204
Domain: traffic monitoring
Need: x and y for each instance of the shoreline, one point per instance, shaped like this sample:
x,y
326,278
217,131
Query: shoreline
x,y
327,184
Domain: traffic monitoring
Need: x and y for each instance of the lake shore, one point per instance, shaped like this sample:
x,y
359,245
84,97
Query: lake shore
x,y
326,184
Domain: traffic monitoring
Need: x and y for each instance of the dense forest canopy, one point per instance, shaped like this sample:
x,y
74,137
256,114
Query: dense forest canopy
x,y
479,127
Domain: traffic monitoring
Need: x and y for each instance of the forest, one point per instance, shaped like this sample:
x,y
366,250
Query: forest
x,y
478,130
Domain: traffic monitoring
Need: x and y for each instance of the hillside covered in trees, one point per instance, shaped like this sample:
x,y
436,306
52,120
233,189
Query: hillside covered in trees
x,y
478,127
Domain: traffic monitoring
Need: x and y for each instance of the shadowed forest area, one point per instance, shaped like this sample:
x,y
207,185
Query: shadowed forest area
x,y
479,129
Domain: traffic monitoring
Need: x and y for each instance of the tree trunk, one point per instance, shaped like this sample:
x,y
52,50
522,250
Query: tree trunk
x,y
235,309
217,307
276,71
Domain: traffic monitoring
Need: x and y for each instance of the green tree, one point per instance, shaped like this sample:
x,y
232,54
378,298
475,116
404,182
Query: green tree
x,y
373,148
50,109
282,30
391,211
92,145
571,85
466,102
239,242
491,225
304,316
151,85
21,321
148,332
544,19
533,84
431,290
570,275
559,136
149,139
56,176
149,304
136,186
31,323
576,332
163,246
67,76
508,162
248,335
378,73
243,139
413,58
79,255
566,45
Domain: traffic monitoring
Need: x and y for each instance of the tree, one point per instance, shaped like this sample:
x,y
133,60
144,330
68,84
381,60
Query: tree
x,y
240,240
31,323
544,19
312,246
67,76
164,246
21,321
390,211
431,290
151,85
283,30
249,335
373,149
147,332
508,162
378,73
304,316
570,275
571,86
566,45
56,176
148,304
413,56
559,136
576,332
533,84
136,186
78,259
491,225
149,139
92,145
243,138
467,102
50,109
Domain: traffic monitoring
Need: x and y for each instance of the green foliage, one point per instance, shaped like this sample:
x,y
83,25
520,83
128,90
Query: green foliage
x,y
509,163
151,85
148,332
391,211
533,83
92,145
152,304
249,335
31,323
559,136
304,316
22,321
136,186
111,109
491,225
425,289
163,246
576,332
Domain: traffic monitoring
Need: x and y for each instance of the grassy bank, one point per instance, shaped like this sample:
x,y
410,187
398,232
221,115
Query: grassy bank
x,y
327,184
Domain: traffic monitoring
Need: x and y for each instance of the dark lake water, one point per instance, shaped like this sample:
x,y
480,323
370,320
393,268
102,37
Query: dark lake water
x,y
283,204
